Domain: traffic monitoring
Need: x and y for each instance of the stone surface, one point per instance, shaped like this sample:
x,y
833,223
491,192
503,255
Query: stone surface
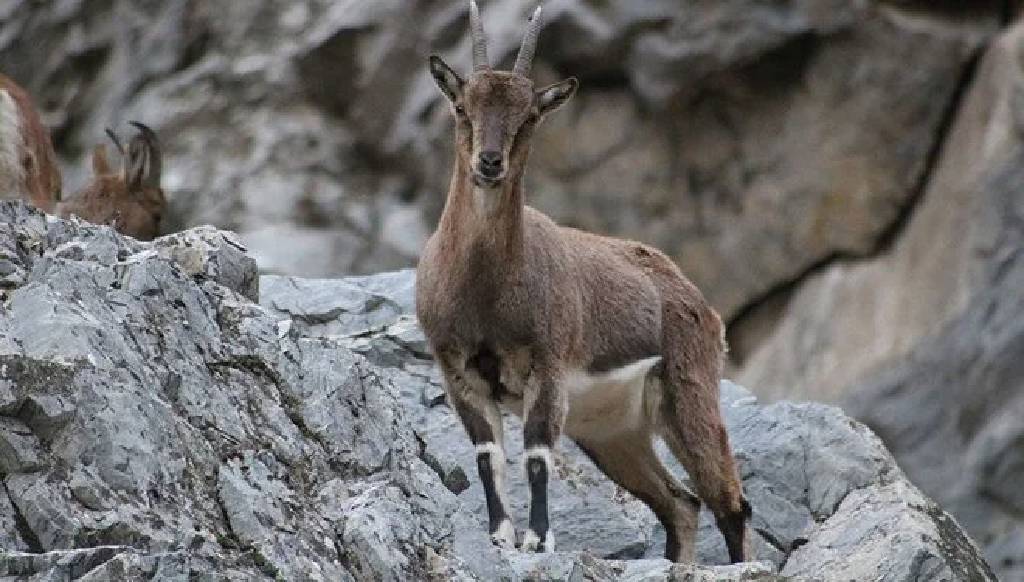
x,y
174,419
873,547
749,140
857,315
582,566
352,306
924,342
19,448
158,424
800,464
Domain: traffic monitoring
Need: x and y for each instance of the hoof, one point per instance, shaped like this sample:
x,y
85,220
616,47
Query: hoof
x,y
505,536
533,543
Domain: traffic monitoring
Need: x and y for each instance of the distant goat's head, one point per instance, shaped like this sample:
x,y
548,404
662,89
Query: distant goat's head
x,y
130,200
496,111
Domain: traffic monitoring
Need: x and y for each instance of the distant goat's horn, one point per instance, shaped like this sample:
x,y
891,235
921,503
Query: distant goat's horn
x,y
143,166
117,142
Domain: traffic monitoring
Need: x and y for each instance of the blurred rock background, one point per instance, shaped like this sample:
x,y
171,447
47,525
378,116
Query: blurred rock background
x,y
843,178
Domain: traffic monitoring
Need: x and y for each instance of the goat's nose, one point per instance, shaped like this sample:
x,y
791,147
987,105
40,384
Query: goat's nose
x,y
491,162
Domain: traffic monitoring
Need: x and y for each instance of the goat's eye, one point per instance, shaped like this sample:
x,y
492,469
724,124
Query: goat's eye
x,y
460,110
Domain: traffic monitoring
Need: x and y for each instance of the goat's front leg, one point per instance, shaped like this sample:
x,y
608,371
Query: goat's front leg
x,y
544,416
469,396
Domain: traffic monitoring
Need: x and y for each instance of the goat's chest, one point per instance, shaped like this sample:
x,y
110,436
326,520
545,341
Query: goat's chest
x,y
468,315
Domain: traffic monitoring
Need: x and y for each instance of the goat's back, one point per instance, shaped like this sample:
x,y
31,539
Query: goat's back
x,y
630,291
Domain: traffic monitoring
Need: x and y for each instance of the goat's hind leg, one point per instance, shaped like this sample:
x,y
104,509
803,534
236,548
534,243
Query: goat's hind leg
x,y
691,420
630,461
694,431
469,396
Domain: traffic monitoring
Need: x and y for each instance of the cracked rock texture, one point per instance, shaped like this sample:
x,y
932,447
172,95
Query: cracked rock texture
x,y
748,139
156,423
827,495
924,342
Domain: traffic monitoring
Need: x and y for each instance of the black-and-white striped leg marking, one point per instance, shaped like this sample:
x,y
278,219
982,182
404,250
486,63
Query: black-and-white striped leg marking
x,y
469,395
490,462
539,537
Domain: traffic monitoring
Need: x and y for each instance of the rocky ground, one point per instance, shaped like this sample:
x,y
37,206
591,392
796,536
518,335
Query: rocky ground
x,y
156,422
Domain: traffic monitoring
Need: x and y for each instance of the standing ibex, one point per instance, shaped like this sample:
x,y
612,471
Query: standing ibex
x,y
600,338
131,200
28,165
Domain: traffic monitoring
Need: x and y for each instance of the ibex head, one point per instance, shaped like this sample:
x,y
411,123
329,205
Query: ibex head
x,y
130,200
496,111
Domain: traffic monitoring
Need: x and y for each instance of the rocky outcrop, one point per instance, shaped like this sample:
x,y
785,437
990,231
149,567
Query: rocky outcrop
x,y
809,472
924,342
155,422
749,140
855,316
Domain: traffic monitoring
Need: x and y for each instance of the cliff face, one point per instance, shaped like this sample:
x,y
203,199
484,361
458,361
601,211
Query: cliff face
x,y
749,140
924,342
155,421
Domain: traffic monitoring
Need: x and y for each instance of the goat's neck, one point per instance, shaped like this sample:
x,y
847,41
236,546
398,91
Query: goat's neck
x,y
491,236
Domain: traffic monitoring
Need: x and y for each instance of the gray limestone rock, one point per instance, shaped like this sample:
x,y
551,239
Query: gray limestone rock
x,y
924,342
156,423
804,467
20,450
339,307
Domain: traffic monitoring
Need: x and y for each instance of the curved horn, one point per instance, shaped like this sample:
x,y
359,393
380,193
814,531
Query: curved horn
x,y
525,59
476,30
143,164
148,133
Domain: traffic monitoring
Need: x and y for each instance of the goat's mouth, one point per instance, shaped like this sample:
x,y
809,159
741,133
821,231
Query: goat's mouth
x,y
483,181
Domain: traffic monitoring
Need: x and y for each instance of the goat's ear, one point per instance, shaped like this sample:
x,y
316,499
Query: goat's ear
x,y
449,82
553,96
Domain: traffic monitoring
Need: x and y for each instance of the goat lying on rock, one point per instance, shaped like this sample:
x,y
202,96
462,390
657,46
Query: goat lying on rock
x,y
600,338
129,200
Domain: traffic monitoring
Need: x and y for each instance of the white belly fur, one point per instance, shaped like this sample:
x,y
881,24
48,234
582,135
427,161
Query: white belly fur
x,y
603,405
